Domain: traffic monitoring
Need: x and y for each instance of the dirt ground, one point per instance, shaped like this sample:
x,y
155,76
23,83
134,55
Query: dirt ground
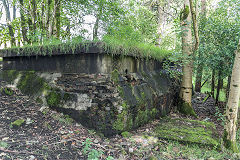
x,y
46,134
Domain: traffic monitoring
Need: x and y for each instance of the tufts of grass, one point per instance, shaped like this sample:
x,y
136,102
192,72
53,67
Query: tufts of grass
x,y
116,45
109,44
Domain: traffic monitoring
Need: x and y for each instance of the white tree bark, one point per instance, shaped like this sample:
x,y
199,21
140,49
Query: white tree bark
x,y
185,105
232,106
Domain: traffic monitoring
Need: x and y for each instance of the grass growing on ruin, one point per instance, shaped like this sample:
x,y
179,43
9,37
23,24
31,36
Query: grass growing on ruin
x,y
109,44
127,47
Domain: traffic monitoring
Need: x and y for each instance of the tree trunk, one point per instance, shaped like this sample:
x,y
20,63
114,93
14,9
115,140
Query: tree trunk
x,y
95,28
198,83
34,14
228,88
8,18
213,83
219,85
14,11
23,23
48,21
230,127
160,17
200,65
96,24
42,23
185,104
58,17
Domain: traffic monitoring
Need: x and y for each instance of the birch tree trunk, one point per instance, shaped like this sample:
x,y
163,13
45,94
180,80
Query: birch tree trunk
x,y
230,127
98,17
160,17
58,17
8,18
48,18
185,104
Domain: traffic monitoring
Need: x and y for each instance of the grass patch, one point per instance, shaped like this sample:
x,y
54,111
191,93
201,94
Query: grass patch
x,y
126,47
109,44
1,59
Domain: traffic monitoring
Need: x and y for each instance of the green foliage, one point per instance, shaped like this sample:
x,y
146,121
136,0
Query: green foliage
x,y
219,34
138,23
220,116
92,154
86,145
173,64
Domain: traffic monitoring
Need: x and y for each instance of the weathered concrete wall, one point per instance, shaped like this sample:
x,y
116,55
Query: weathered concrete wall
x,y
110,94
81,63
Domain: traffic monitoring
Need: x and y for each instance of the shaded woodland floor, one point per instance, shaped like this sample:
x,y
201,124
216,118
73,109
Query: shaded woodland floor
x,y
46,134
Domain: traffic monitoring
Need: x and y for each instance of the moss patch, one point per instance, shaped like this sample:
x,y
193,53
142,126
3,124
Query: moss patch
x,y
186,108
191,131
31,84
53,99
229,144
124,121
9,75
115,76
17,123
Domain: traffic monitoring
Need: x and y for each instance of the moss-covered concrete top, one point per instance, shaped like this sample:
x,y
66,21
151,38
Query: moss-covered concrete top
x,y
185,130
